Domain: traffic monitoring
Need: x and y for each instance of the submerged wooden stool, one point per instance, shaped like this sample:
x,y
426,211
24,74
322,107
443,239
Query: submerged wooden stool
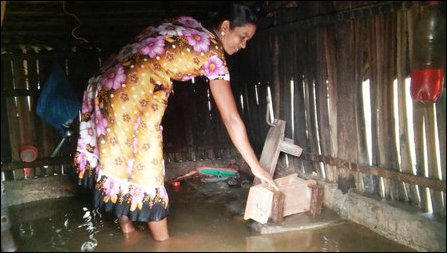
x,y
294,196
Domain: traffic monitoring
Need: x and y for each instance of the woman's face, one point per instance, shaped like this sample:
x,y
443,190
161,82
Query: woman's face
x,y
235,39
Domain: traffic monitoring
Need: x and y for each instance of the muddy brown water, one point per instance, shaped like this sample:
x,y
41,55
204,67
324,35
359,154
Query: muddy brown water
x,y
203,217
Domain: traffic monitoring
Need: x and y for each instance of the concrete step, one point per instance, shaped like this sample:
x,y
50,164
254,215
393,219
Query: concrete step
x,y
298,222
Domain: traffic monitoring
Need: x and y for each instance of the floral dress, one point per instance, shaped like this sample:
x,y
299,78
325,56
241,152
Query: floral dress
x,y
119,151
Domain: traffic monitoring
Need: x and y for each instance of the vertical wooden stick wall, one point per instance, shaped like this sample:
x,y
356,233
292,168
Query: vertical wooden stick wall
x,y
329,62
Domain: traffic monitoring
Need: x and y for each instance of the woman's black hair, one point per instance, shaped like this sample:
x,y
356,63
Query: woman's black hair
x,y
238,15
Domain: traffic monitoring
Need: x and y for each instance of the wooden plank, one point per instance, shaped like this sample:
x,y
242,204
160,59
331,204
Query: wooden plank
x,y
301,83
346,89
436,196
418,118
409,28
359,48
276,84
402,47
321,98
379,171
293,72
270,151
379,112
372,184
387,141
330,51
288,147
310,76
308,126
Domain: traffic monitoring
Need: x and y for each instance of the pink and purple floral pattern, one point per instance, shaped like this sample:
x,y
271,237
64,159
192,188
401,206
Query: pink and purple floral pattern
x,y
199,40
153,46
114,78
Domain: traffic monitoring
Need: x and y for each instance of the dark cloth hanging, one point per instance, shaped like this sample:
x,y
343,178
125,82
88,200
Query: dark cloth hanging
x,y
58,103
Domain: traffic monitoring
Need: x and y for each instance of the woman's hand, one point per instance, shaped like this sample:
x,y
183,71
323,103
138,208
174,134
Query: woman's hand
x,y
265,177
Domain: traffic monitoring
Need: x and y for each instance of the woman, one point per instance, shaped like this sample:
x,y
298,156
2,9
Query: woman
x,y
119,150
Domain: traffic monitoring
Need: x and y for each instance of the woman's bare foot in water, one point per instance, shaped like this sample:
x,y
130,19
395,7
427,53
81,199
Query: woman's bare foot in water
x,y
159,229
126,224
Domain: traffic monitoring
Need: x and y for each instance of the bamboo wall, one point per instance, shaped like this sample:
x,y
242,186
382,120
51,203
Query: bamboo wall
x,y
327,57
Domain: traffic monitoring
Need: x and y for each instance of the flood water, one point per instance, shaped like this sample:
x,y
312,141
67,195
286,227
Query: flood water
x,y
203,217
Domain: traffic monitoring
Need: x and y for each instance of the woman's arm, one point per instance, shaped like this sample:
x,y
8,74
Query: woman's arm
x,y
223,96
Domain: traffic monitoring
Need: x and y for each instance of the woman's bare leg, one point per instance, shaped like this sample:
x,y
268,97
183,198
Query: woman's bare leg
x,y
159,229
126,224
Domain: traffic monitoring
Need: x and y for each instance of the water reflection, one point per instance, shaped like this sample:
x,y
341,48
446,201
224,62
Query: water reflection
x,y
91,244
26,230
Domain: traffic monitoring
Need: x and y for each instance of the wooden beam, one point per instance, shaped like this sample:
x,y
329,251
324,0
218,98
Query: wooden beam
x,y
431,183
288,147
